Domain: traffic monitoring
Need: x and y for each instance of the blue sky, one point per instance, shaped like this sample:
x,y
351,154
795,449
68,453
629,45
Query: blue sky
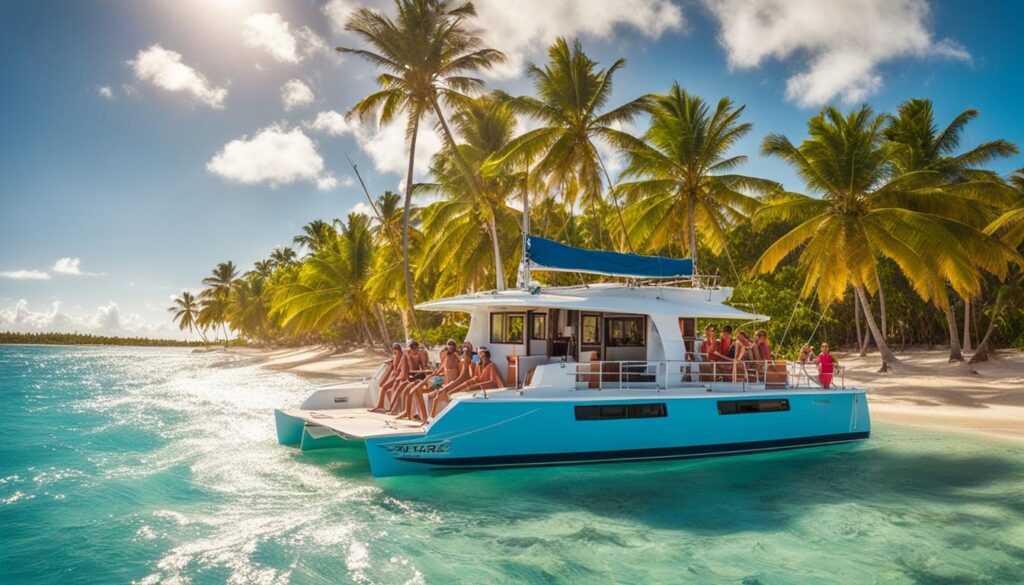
x,y
142,142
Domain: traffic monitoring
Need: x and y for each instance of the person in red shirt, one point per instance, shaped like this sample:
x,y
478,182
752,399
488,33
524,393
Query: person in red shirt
x,y
826,366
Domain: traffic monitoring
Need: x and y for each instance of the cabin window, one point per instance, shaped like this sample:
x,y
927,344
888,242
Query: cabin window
x,y
750,406
590,330
619,411
539,326
624,331
507,327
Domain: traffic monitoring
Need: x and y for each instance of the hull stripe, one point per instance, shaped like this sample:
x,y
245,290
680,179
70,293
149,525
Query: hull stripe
x,y
624,455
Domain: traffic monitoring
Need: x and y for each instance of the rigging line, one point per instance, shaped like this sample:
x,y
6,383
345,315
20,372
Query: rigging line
x,y
791,315
390,236
820,319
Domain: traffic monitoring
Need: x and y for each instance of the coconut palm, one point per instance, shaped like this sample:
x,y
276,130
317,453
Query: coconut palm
x,y
572,95
1009,226
262,268
315,235
918,144
330,288
685,183
464,227
214,299
185,312
867,211
247,309
428,54
386,280
283,256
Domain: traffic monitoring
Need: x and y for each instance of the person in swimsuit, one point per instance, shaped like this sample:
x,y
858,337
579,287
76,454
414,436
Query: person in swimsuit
x,y
467,369
447,369
394,375
410,374
762,350
487,377
707,347
743,348
826,366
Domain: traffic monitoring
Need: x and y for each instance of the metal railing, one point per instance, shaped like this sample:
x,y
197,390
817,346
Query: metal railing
x,y
667,374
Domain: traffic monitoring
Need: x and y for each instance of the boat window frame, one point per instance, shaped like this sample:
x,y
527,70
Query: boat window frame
x,y
505,317
629,411
609,319
780,405
597,329
538,333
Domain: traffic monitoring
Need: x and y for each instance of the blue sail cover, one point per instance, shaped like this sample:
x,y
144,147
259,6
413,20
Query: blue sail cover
x,y
548,254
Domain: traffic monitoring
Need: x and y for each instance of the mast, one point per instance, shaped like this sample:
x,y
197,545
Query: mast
x,y
524,263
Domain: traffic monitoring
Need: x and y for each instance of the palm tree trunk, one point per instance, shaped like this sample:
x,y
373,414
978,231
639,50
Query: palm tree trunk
x,y
224,327
410,296
955,353
691,214
881,308
405,322
981,355
382,324
887,355
867,333
967,325
499,269
856,320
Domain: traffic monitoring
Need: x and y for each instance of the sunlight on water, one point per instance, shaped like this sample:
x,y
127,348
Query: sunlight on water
x,y
161,466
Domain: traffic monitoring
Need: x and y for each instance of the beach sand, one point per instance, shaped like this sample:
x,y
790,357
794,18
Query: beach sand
x,y
926,390
923,390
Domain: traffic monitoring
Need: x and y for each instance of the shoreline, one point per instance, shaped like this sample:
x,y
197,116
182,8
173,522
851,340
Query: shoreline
x,y
924,390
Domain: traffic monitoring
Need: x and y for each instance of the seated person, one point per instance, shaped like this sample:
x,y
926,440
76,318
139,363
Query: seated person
x,y
467,369
486,378
447,368
707,346
418,366
762,350
390,379
743,352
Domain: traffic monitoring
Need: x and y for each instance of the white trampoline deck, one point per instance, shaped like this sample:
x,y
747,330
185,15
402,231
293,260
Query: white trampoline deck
x,y
355,423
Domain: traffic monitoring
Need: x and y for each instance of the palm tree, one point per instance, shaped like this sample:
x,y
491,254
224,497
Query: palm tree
x,y
428,54
685,175
262,268
868,210
572,95
185,312
315,235
918,144
1009,226
247,309
283,256
387,277
485,126
214,299
330,288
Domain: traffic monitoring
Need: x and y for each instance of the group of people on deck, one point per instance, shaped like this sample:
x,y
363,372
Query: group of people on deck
x,y
409,379
744,349
735,350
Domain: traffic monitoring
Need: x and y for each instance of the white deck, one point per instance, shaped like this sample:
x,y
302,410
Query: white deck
x,y
356,423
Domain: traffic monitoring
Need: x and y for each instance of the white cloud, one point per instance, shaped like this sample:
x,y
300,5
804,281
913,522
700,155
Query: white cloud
x,y
24,274
273,34
332,123
295,94
105,320
843,42
387,145
105,92
72,266
526,28
337,12
363,208
274,155
164,69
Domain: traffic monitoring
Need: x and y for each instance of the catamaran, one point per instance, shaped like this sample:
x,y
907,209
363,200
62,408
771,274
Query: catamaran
x,y
596,373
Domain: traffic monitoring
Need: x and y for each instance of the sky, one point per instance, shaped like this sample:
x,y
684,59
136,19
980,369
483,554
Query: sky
x,y
143,142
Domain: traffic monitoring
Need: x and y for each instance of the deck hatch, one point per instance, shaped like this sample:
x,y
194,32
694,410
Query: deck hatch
x,y
620,411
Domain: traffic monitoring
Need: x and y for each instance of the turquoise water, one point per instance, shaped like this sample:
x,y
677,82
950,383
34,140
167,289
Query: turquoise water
x,y
159,466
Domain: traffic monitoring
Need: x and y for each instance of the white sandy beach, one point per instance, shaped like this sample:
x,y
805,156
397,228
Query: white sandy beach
x,y
923,390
